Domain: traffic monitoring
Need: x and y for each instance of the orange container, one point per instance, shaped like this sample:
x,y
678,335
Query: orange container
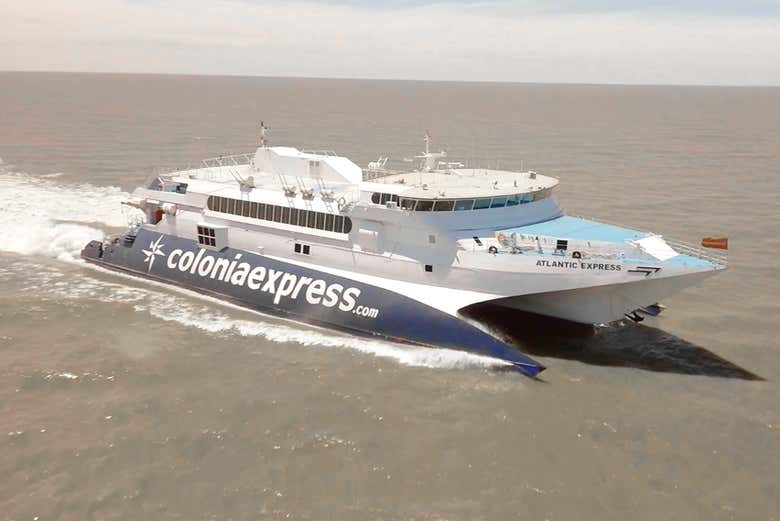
x,y
718,243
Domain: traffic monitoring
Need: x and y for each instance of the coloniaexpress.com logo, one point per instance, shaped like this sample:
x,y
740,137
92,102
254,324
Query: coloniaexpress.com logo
x,y
280,284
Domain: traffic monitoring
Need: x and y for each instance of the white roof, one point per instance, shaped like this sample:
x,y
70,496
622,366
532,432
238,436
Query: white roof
x,y
292,163
461,183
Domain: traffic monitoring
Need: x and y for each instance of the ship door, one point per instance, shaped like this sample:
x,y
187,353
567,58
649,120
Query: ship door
x,y
155,216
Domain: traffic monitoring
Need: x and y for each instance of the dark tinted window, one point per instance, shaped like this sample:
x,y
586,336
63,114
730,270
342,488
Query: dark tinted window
x,y
498,202
464,204
424,206
443,206
408,204
481,204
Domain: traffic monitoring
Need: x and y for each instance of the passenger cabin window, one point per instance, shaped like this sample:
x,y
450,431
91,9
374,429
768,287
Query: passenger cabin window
x,y
303,249
207,236
281,214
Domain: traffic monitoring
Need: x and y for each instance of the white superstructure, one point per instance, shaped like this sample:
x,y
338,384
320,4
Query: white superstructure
x,y
441,234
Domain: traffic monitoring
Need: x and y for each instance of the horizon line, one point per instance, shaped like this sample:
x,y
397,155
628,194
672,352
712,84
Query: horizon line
x,y
409,80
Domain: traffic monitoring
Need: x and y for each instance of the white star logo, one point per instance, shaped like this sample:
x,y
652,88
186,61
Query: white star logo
x,y
155,248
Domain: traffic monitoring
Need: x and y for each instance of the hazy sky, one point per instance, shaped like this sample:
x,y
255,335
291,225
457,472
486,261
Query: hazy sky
x,y
679,42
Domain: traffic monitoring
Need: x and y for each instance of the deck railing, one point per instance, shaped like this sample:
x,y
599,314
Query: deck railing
x,y
228,161
717,256
693,250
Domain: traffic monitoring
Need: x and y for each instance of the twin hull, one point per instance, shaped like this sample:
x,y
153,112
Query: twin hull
x,y
305,294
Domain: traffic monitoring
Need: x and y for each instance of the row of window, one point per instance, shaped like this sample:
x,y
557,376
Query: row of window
x,y
207,236
457,205
281,214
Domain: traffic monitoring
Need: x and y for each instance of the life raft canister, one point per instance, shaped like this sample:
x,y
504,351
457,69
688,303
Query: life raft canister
x,y
718,243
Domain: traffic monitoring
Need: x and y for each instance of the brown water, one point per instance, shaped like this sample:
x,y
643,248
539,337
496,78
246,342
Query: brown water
x,y
125,400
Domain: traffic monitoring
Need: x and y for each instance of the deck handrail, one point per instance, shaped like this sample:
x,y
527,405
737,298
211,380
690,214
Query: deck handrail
x,y
687,248
319,152
231,160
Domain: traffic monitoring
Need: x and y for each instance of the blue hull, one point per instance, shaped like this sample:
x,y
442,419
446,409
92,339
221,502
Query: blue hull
x,y
307,295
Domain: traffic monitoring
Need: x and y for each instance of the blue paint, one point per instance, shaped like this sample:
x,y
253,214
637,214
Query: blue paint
x,y
398,318
568,227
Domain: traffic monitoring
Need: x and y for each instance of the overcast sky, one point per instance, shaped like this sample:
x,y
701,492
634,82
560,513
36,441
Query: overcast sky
x,y
653,42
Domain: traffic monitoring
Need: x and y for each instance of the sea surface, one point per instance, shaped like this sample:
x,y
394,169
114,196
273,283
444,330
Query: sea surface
x,y
121,399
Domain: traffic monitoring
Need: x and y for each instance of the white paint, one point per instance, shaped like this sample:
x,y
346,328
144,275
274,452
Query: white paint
x,y
657,247
448,300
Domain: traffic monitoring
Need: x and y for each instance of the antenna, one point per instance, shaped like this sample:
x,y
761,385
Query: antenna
x,y
263,134
427,140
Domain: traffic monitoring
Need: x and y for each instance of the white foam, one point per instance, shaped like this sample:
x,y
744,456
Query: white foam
x,y
212,321
40,217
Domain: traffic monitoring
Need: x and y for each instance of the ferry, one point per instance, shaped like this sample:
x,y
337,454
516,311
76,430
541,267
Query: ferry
x,y
401,254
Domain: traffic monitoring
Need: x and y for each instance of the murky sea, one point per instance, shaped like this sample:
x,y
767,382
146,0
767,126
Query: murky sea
x,y
121,399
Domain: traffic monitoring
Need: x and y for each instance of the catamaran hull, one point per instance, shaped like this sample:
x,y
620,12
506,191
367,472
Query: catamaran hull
x,y
607,303
301,293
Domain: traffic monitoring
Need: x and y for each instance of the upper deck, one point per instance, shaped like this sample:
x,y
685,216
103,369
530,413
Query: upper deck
x,y
461,183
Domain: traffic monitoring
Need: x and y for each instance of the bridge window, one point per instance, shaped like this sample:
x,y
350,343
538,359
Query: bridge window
x,y
443,206
498,202
464,204
481,204
459,205
380,198
424,206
